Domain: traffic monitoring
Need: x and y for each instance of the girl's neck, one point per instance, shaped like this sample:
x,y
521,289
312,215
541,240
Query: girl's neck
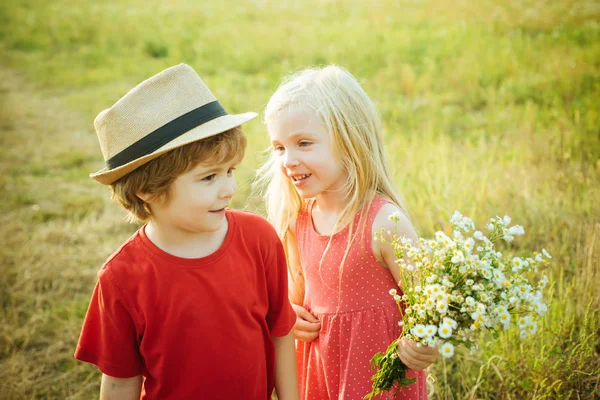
x,y
331,202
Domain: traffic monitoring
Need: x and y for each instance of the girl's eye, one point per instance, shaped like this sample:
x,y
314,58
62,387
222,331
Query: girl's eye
x,y
304,143
278,148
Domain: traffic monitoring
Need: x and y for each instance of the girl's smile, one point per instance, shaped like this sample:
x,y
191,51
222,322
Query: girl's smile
x,y
299,180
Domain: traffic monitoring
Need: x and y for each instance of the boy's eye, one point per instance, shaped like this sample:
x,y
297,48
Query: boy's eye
x,y
209,178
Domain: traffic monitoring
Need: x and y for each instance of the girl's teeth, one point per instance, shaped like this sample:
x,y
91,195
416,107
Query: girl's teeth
x,y
301,177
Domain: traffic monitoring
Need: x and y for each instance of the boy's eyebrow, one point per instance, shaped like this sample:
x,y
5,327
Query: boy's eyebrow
x,y
215,169
208,171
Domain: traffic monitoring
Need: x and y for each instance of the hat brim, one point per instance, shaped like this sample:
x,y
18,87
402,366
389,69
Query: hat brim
x,y
218,125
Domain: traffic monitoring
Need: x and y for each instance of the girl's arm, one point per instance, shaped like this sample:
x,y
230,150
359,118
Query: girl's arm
x,y
307,326
295,276
113,388
286,377
384,253
415,358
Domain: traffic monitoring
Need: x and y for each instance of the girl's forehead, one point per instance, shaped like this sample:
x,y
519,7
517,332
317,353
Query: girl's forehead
x,y
296,119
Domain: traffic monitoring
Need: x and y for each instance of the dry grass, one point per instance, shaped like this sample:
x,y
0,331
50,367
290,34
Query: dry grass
x,y
490,107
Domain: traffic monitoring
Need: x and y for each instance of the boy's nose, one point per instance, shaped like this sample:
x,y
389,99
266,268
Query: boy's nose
x,y
228,188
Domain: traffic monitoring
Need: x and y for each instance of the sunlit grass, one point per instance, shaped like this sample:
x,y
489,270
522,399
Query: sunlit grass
x,y
489,107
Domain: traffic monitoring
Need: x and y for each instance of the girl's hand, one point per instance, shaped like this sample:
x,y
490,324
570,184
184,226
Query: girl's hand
x,y
416,358
307,327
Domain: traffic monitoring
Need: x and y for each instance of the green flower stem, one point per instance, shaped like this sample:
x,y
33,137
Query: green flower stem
x,y
391,371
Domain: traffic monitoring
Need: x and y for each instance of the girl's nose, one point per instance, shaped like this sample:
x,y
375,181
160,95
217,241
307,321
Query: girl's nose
x,y
290,159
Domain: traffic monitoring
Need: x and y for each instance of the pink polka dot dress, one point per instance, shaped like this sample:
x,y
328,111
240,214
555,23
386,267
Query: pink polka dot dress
x,y
358,316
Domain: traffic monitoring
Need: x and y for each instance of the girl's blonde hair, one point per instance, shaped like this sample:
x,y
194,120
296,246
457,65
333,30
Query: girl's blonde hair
x,y
356,133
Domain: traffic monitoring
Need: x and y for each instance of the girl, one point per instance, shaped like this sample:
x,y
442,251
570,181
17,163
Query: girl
x,y
329,190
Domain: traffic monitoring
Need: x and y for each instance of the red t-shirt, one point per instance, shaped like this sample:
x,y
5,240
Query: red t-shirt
x,y
194,328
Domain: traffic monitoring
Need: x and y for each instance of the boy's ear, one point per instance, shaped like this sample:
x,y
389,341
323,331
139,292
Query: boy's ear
x,y
145,197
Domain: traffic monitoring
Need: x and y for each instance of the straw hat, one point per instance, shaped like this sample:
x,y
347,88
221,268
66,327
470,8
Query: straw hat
x,y
169,110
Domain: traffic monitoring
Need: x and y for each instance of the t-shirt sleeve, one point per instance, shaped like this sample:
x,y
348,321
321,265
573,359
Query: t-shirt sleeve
x,y
281,317
109,338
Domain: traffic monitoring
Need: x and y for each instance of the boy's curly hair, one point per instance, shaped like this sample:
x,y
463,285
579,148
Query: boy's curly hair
x,y
156,176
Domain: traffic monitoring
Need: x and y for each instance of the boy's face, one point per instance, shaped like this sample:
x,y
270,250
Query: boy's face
x,y
197,200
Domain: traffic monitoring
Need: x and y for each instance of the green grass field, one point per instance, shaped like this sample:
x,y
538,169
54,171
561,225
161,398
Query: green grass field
x,y
489,107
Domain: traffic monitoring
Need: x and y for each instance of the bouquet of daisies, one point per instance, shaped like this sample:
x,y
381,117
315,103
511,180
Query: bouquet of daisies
x,y
457,286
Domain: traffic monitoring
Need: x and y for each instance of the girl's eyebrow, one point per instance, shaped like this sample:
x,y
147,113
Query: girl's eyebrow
x,y
294,135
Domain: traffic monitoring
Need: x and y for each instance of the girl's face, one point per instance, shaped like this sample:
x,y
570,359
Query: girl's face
x,y
305,152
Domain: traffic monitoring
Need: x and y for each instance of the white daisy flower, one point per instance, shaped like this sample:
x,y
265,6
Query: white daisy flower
x,y
441,296
449,321
504,318
524,321
517,264
540,308
430,330
441,307
458,257
447,349
469,245
418,330
546,254
532,327
445,331
516,230
456,218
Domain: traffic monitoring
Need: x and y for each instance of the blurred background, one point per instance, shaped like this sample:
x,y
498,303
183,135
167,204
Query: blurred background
x,y
489,107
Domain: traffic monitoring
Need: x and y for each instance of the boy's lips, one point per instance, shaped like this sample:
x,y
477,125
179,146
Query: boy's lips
x,y
218,211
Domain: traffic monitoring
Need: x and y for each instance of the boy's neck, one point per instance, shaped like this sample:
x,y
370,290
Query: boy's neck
x,y
186,244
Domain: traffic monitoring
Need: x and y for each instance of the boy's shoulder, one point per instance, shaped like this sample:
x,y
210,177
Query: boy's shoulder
x,y
253,224
129,253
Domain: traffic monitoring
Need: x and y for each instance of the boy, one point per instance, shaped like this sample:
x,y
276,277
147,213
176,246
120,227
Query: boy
x,y
194,305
